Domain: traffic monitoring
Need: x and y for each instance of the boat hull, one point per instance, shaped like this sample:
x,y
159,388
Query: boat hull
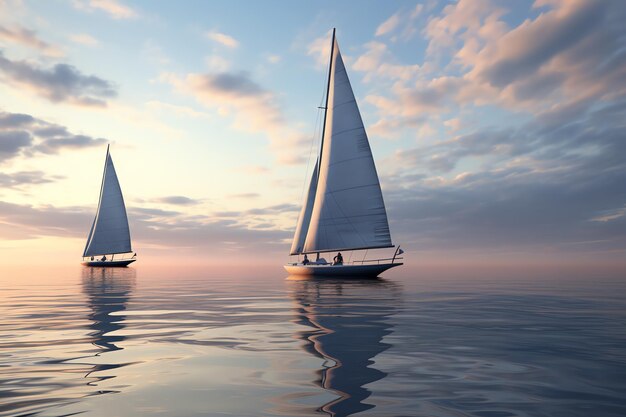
x,y
110,264
348,271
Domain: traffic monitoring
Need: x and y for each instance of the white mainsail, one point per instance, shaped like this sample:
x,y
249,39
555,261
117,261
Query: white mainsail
x,y
348,211
109,232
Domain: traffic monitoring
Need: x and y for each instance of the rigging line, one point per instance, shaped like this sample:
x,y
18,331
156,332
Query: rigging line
x,y
308,162
313,138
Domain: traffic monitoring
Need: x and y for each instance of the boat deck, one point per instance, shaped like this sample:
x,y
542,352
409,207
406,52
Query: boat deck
x,y
110,264
345,270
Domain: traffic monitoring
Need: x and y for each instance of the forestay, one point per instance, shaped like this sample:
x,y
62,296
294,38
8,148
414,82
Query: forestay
x,y
348,211
109,232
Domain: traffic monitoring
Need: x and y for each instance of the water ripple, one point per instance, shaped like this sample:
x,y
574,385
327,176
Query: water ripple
x,y
113,342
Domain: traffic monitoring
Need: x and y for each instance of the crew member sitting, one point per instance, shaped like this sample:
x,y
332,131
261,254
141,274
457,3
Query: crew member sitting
x,y
305,261
338,260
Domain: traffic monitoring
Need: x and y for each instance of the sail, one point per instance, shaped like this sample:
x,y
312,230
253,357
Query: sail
x,y
109,232
348,211
305,216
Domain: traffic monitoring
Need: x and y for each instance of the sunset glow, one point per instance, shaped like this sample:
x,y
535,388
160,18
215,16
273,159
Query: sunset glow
x,y
497,127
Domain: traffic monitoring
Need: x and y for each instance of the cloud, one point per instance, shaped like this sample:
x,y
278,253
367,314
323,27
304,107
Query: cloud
x,y
252,108
388,25
153,52
84,39
29,38
610,215
553,185
278,208
319,49
24,178
61,83
179,110
151,229
25,135
510,209
113,8
465,19
216,63
412,106
534,43
572,54
377,62
223,39
12,142
400,25
246,195
177,200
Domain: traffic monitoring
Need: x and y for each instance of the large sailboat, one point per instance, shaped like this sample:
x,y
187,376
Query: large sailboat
x,y
344,208
109,234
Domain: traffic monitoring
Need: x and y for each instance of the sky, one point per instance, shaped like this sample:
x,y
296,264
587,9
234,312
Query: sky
x,y
497,127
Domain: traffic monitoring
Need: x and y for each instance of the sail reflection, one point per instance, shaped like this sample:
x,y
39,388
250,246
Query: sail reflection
x,y
348,321
108,291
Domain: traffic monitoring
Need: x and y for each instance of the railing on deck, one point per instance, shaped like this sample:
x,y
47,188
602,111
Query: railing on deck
x,y
378,261
111,258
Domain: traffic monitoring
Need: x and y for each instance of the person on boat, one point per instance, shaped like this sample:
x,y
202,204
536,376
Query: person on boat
x,y
92,257
104,258
338,260
305,261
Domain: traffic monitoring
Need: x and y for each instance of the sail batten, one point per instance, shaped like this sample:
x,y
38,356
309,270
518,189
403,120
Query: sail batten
x,y
109,232
347,207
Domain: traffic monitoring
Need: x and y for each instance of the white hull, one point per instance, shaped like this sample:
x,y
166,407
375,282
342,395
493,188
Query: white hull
x,y
354,271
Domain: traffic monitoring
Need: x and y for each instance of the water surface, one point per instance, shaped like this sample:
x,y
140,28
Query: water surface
x,y
183,342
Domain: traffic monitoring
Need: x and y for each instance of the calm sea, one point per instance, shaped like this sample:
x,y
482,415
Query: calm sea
x,y
135,342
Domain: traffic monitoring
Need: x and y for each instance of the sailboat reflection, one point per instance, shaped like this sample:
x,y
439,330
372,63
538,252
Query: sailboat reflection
x,y
108,291
348,320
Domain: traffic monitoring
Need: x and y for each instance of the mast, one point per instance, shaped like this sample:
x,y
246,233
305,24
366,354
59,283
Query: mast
x,y
330,68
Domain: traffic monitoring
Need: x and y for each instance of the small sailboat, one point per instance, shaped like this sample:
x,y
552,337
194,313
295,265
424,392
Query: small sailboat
x,y
344,208
109,234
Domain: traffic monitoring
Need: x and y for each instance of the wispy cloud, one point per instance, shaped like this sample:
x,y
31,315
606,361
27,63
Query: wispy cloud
x,y
252,108
610,215
29,38
179,110
84,39
151,228
223,39
60,83
319,49
400,25
378,62
113,8
569,55
177,200
154,53
20,179
216,63
388,25
24,135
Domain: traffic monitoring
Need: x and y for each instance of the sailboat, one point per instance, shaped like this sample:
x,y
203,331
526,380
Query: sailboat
x,y
344,208
109,234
